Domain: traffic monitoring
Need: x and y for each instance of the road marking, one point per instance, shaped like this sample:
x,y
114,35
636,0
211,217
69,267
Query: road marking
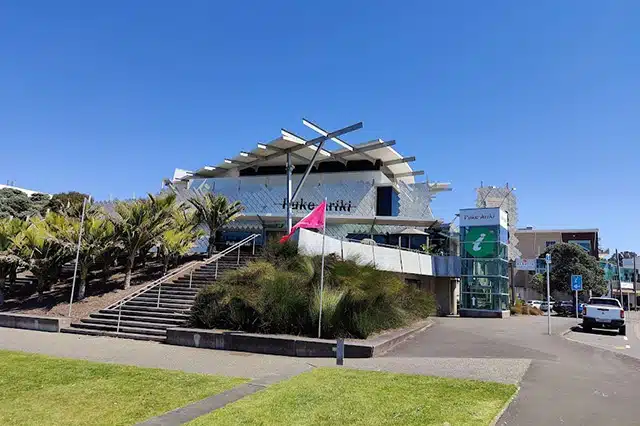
x,y
620,347
628,346
626,338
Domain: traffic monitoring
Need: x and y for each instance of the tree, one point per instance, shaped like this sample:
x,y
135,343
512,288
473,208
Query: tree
x,y
67,203
174,244
43,245
180,238
97,238
9,228
539,283
215,211
139,223
40,203
14,203
570,259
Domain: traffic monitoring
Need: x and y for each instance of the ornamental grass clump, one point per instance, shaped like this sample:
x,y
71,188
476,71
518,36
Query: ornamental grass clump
x,y
281,295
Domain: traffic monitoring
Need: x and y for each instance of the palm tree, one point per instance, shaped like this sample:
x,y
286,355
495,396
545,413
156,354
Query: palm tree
x,y
215,211
44,246
97,238
9,261
174,244
140,223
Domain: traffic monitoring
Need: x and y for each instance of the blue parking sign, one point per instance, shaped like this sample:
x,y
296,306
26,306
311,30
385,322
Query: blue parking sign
x,y
576,282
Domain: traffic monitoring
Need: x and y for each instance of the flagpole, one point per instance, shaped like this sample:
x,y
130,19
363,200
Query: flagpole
x,y
324,232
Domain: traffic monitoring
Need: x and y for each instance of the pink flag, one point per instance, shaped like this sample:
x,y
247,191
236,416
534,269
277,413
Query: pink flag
x,y
315,219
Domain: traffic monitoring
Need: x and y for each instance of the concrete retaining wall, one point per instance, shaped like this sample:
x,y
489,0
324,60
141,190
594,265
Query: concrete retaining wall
x,y
288,345
31,322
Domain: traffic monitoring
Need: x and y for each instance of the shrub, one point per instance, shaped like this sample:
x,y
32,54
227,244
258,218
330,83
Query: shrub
x,y
281,295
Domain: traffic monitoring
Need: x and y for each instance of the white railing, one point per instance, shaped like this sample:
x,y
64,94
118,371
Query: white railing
x,y
191,266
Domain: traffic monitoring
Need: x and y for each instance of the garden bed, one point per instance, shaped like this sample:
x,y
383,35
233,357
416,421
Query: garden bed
x,y
280,295
99,295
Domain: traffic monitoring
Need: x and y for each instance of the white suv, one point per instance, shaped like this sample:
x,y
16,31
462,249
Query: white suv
x,y
603,312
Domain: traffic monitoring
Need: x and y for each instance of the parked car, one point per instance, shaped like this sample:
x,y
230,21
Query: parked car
x,y
603,312
564,307
534,303
543,305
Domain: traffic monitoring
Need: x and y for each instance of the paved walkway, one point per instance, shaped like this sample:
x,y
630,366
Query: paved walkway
x,y
567,383
240,364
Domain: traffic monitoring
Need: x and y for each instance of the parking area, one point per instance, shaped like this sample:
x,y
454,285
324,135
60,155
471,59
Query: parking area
x,y
628,344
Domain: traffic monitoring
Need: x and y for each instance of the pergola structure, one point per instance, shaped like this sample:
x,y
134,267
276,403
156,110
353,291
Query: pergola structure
x,y
291,150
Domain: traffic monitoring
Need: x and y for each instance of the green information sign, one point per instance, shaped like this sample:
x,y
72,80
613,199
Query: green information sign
x,y
480,241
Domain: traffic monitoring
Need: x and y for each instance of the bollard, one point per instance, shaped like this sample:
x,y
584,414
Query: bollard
x,y
340,351
190,277
216,269
238,256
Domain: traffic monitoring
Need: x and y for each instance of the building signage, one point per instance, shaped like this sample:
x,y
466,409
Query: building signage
x,y
483,217
480,242
332,206
526,264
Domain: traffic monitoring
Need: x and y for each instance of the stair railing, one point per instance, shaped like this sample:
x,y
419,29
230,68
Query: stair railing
x,y
191,266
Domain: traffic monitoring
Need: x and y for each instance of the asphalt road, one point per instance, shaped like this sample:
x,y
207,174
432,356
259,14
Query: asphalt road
x,y
567,382
628,345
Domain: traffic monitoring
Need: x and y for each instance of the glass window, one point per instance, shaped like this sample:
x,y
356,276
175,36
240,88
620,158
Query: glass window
x,y
387,201
485,267
549,243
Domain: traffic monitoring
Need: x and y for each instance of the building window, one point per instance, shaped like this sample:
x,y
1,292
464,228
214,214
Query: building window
x,y
549,243
387,201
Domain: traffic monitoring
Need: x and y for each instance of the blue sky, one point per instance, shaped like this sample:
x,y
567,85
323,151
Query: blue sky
x,y
109,97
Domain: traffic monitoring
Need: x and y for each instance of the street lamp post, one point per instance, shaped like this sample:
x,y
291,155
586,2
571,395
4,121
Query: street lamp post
x,y
547,259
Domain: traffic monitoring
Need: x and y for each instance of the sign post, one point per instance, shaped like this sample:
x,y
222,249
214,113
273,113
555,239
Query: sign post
x,y
576,285
547,259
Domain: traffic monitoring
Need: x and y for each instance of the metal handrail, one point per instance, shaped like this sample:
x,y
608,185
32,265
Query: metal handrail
x,y
180,271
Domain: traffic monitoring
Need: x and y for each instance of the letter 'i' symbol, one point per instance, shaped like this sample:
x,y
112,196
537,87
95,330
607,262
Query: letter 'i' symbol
x,y
476,243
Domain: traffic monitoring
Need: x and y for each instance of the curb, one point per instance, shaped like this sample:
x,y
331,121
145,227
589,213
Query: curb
x,y
506,405
386,346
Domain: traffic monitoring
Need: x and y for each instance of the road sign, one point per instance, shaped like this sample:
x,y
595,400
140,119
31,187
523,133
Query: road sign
x,y
576,282
526,264
547,258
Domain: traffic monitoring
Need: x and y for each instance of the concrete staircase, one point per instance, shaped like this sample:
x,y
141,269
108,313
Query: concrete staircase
x,y
145,317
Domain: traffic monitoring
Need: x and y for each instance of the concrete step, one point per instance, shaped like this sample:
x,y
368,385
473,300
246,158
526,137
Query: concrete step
x,y
154,304
188,298
127,323
134,336
137,312
173,291
134,330
165,299
142,318
153,308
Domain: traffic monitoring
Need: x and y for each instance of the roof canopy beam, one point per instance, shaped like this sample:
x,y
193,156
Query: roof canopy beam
x,y
328,154
306,144
399,161
414,173
283,151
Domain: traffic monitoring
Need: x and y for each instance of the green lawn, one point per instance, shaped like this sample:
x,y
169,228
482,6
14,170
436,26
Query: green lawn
x,y
41,390
329,396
